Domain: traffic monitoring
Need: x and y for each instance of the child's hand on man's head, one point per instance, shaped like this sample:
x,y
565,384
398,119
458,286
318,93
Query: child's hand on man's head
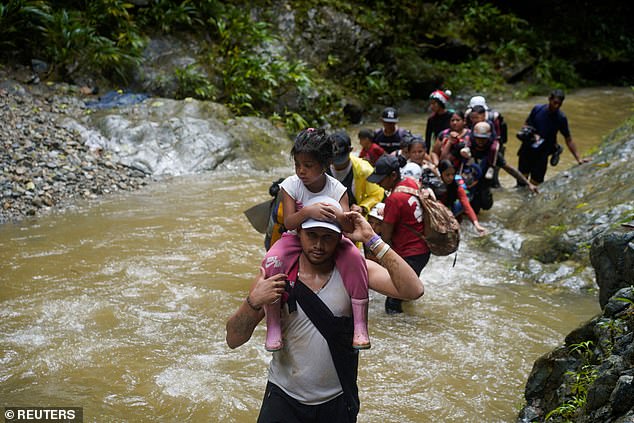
x,y
323,211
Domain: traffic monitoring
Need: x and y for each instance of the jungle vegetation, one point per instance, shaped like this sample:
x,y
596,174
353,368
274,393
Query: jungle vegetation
x,y
414,47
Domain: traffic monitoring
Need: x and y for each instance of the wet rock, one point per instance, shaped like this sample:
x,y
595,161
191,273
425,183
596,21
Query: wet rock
x,y
41,161
622,397
604,368
603,188
612,257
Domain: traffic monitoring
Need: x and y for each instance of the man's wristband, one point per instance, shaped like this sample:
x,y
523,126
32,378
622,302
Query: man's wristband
x,y
384,250
372,241
252,306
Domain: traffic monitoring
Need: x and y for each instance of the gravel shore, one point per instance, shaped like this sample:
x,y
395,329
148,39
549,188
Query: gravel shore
x,y
43,166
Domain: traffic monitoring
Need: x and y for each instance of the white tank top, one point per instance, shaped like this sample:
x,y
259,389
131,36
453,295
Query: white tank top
x,y
304,368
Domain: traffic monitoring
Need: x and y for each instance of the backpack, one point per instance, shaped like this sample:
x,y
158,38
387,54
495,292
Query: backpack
x,y
441,230
526,134
275,227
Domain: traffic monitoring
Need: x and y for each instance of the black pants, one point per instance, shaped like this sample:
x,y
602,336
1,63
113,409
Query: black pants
x,y
534,162
418,263
482,196
278,407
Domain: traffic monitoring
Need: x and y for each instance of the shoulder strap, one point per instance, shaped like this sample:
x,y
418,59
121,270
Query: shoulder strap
x,y
408,190
338,333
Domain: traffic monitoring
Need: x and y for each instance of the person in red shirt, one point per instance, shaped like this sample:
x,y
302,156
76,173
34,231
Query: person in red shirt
x,y
402,219
370,151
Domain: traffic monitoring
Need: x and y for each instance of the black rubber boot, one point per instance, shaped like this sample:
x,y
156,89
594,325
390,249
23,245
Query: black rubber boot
x,y
393,305
554,159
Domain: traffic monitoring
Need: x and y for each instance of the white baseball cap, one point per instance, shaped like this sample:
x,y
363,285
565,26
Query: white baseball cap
x,y
478,100
314,223
377,211
412,170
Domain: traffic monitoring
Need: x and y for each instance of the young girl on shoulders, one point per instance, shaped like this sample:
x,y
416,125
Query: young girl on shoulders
x,y
312,153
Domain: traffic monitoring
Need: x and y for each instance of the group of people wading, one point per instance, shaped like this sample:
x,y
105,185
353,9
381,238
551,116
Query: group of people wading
x,y
347,223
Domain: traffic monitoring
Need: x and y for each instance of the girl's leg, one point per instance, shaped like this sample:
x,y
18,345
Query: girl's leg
x,y
349,260
278,260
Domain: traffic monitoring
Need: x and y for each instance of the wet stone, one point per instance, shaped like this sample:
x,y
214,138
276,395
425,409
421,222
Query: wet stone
x,y
42,164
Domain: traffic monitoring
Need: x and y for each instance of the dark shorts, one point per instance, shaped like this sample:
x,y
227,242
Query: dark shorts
x,y
418,262
278,407
481,196
533,163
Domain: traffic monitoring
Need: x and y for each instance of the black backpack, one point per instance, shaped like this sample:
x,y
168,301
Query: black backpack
x,y
526,134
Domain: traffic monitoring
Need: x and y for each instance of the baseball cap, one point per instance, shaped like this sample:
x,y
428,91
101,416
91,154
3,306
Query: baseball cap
x,y
377,211
314,223
478,100
385,165
341,147
412,170
482,130
390,114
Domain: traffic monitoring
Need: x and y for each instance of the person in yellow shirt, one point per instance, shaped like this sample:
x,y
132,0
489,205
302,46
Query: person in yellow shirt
x,y
352,172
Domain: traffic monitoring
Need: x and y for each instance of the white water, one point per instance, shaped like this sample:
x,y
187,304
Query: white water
x,y
119,307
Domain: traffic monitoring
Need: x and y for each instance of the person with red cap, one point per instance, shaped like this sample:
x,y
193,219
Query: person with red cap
x,y
439,119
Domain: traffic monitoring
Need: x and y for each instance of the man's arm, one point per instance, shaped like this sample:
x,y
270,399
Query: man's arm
x,y
517,175
573,149
243,322
393,276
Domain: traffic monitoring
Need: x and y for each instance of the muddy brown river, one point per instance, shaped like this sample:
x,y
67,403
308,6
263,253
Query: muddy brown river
x,y
119,305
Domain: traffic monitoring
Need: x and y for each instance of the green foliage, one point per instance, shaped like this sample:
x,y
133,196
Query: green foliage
x,y
578,384
626,217
193,83
293,122
465,45
625,300
170,15
477,75
19,21
556,73
255,74
485,23
71,44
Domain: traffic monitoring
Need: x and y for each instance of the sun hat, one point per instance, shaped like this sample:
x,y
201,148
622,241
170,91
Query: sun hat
x,y
390,115
385,165
377,211
314,223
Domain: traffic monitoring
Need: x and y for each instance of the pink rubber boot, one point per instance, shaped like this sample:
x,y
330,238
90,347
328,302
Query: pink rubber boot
x,y
360,339
273,327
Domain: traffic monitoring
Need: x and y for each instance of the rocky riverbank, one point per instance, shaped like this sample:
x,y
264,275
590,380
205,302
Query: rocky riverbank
x,y
44,166
590,378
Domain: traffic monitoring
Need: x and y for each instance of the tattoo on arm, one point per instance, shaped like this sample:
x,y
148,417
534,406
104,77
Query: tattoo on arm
x,y
241,325
392,265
